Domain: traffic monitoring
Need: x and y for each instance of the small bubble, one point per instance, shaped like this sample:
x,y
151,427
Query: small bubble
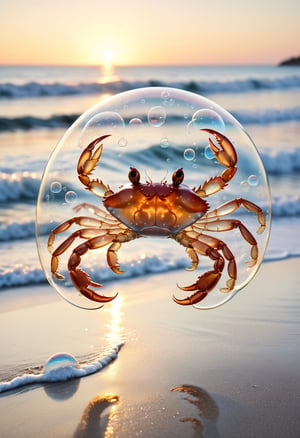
x,y
208,119
157,116
244,186
60,360
209,153
122,142
103,121
165,95
135,122
56,187
189,154
253,180
71,197
164,142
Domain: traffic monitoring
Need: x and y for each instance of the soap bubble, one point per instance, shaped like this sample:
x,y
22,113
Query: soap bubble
x,y
71,197
135,122
164,142
156,130
122,142
189,154
56,187
208,119
209,153
253,180
157,116
60,360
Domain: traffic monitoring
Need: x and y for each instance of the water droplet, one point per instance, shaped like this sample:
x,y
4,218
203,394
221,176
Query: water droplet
x,y
189,154
253,180
208,119
56,187
165,94
71,197
244,186
60,360
208,153
122,142
157,116
164,142
135,122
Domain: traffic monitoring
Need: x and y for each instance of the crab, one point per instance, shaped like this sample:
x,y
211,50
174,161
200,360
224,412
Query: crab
x,y
168,210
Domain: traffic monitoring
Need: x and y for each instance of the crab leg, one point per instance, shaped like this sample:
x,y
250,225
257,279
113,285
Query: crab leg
x,y
81,279
97,211
86,164
226,155
219,245
220,225
231,206
83,221
207,281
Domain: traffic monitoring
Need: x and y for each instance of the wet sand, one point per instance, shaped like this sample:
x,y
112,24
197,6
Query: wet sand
x,y
229,372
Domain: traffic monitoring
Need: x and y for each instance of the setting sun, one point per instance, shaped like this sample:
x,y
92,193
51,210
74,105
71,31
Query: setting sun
x,y
107,57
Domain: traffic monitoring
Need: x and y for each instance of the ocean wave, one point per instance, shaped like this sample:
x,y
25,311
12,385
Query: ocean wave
x,y
63,373
18,186
25,275
24,186
287,206
21,275
22,230
26,123
263,117
36,89
268,116
283,162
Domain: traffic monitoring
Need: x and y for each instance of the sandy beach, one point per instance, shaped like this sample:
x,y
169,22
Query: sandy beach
x,y
234,370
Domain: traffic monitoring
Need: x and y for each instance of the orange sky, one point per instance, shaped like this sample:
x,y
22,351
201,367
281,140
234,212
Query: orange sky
x,y
138,32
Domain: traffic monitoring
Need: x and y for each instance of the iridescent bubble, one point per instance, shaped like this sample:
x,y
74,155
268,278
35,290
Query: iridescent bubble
x,y
60,360
189,154
122,142
209,153
208,119
71,197
135,122
106,120
253,180
56,187
164,142
157,116
153,119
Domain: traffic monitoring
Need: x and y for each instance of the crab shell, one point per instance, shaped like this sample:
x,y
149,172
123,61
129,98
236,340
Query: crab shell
x,y
156,209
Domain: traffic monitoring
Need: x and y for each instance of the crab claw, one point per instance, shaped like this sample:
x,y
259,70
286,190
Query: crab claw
x,y
223,150
203,286
82,281
86,165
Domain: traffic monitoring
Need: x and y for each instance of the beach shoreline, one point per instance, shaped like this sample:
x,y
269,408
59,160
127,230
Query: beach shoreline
x,y
235,369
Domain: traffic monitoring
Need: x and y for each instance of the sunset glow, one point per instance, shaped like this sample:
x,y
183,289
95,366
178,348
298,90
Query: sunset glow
x,y
168,33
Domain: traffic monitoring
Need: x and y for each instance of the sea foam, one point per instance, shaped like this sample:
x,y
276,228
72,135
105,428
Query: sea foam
x,y
61,374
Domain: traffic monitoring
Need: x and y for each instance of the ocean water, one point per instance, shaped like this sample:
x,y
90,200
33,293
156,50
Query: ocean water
x,y
37,105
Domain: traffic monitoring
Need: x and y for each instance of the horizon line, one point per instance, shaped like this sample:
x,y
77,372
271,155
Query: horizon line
x,y
230,64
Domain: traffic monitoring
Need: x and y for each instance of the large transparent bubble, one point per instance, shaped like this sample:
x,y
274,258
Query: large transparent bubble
x,y
157,131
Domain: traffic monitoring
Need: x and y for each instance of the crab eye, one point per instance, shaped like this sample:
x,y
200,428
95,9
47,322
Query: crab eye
x,y
134,176
177,177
